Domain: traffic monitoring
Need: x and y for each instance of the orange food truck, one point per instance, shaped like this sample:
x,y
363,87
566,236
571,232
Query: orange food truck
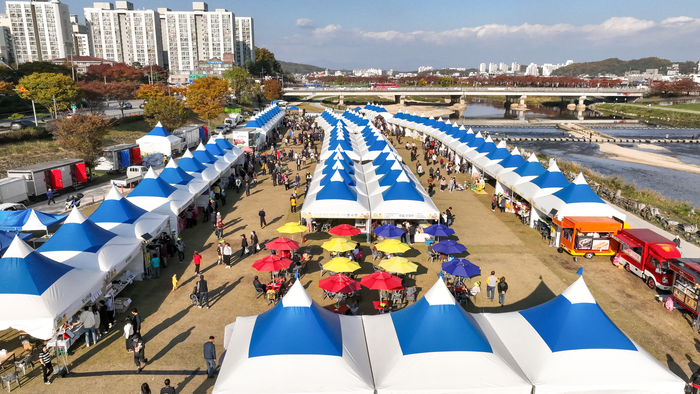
x,y
587,236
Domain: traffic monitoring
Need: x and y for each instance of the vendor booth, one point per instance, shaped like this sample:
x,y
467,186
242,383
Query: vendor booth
x,y
29,220
122,217
587,236
159,140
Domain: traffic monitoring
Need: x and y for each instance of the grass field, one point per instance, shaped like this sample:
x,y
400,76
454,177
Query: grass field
x,y
655,114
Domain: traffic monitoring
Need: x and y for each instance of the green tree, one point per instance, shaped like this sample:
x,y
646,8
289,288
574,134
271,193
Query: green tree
x,y
273,89
340,80
168,110
16,117
44,88
207,96
82,134
265,64
44,67
445,81
239,79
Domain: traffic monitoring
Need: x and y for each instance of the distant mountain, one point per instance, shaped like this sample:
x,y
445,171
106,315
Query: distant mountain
x,y
619,67
298,68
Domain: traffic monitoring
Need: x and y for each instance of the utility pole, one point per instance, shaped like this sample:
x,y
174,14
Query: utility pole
x,y
55,111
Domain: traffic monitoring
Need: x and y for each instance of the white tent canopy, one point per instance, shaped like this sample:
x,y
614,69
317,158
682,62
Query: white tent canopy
x,y
158,140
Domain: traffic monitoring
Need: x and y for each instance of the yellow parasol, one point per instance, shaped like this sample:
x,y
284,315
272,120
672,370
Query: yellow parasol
x,y
338,245
291,228
341,264
398,265
392,246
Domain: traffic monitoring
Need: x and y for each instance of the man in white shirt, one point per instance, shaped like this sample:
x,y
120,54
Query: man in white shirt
x,y
88,320
491,284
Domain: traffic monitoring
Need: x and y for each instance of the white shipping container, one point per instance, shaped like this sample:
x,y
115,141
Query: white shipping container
x,y
13,190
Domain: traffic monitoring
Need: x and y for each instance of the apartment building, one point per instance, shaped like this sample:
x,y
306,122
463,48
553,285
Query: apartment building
x,y
82,38
7,48
125,35
40,30
245,40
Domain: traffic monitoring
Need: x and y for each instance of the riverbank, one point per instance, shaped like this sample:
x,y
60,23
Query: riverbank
x,y
618,152
657,114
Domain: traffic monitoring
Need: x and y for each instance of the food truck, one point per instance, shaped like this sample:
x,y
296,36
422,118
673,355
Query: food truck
x,y
686,283
57,175
646,254
587,236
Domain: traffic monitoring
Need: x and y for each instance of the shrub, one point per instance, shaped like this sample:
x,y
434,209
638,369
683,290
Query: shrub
x,y
16,116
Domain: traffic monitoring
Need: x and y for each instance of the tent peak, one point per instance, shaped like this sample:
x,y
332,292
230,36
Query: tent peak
x,y
533,157
580,180
439,294
201,146
75,216
151,174
18,249
171,164
297,296
114,194
578,293
187,154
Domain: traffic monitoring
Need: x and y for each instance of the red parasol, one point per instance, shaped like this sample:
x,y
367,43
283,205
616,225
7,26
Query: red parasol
x,y
345,230
339,283
247,149
381,281
272,263
282,243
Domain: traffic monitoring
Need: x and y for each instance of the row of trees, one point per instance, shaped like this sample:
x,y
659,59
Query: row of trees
x,y
500,80
673,89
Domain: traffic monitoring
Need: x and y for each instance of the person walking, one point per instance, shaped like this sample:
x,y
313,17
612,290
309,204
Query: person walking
x,y
450,217
174,282
104,317
254,242
136,321
45,360
155,264
210,357
491,283
227,252
50,196
197,260
244,245
202,292
145,389
219,227
411,233
677,241
88,320
167,389
247,189
502,288
139,353
263,222
293,203
180,246
128,334
238,184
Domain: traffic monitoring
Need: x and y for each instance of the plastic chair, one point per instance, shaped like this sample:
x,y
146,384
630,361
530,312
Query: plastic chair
x,y
9,378
24,364
411,293
432,256
258,292
323,271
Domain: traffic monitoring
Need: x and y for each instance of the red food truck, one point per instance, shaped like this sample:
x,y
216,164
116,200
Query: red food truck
x,y
686,283
646,254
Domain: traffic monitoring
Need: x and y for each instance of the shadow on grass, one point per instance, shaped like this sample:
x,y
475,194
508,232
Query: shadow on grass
x,y
163,372
540,295
218,293
675,368
153,332
173,342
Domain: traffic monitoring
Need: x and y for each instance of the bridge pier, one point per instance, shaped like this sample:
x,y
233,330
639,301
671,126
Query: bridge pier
x,y
341,100
581,106
397,99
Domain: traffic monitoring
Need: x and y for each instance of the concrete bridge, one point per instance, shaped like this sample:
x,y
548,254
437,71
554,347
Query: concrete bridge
x,y
460,94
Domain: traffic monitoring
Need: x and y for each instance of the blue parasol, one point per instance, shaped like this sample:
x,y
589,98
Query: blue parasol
x,y
449,247
439,230
461,267
388,231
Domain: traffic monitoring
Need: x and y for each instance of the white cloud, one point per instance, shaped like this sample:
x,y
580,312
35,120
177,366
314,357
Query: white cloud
x,y
305,23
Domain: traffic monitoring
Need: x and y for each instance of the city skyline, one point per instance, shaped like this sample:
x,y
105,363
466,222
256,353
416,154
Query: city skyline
x,y
460,34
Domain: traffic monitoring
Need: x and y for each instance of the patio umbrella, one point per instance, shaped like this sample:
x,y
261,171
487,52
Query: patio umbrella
x,y
341,264
388,231
439,230
461,267
291,228
338,245
247,149
282,243
398,265
272,263
449,247
345,230
392,246
381,281
339,283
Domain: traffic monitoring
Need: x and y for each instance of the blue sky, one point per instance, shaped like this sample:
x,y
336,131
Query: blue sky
x,y
462,33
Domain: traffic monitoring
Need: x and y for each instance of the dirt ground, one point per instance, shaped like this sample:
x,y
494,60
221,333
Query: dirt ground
x,y
175,331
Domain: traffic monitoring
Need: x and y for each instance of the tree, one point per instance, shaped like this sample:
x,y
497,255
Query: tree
x,y
43,67
339,80
6,87
206,97
265,63
168,110
149,92
273,89
445,81
120,72
422,82
82,134
49,90
155,73
16,117
94,94
239,79
121,92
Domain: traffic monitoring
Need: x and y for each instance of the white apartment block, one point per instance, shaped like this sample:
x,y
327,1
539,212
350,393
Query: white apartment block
x,y
198,35
7,49
532,70
503,67
40,30
125,35
515,67
245,40
82,39
482,68
425,69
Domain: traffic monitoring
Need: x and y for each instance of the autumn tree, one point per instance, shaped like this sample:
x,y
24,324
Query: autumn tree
x,y
422,82
239,79
445,81
206,97
168,110
119,72
82,134
94,94
43,67
273,89
121,92
50,90
265,63
150,92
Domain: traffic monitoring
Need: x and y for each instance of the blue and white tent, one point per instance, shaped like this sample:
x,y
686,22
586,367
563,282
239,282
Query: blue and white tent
x,y
29,220
493,157
192,166
215,149
179,178
482,150
530,169
405,198
83,244
576,199
335,199
203,155
120,216
153,194
37,292
476,142
298,347
434,346
549,182
510,163
569,345
6,239
159,140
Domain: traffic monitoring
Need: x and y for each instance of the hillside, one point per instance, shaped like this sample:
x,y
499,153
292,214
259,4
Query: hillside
x,y
298,68
619,67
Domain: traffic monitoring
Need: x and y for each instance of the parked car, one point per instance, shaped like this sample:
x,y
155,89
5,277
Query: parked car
x,y
142,105
12,206
126,105
21,124
221,129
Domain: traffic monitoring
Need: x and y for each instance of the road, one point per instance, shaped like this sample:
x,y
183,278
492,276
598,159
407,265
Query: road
x,y
111,111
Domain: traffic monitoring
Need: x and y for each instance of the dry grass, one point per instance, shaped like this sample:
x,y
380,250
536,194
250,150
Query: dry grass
x,y
175,331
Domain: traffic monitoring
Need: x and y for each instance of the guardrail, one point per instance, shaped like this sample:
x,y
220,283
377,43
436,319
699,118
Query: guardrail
x,y
466,89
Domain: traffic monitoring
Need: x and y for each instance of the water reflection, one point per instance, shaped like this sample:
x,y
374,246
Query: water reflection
x,y
489,109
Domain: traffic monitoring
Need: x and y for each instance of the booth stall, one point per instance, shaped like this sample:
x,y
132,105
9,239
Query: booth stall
x,y
588,236
123,218
159,140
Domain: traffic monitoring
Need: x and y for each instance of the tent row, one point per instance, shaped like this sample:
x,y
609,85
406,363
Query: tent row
x,y
434,346
360,175
547,190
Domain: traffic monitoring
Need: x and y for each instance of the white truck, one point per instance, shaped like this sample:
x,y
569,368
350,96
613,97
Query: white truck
x,y
189,134
134,175
13,190
233,120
